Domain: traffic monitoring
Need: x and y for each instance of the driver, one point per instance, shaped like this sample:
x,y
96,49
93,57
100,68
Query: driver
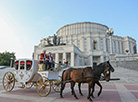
x,y
50,60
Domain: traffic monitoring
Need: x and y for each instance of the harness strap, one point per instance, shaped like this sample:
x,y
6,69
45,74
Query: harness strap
x,y
82,75
95,77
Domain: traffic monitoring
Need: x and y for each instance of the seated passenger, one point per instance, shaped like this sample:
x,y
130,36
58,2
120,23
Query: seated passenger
x,y
51,62
44,59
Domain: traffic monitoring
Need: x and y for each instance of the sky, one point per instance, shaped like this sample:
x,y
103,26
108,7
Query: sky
x,y
23,23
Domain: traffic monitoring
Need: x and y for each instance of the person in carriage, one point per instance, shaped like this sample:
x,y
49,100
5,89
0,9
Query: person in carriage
x,y
50,60
47,60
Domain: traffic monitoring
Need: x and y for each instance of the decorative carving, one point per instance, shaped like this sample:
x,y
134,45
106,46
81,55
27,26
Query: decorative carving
x,y
56,41
49,42
44,74
21,75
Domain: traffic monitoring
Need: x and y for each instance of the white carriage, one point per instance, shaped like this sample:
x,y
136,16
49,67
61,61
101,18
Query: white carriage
x,y
28,72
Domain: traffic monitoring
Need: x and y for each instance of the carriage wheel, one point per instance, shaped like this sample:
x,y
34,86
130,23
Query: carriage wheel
x,y
8,81
56,85
29,85
43,86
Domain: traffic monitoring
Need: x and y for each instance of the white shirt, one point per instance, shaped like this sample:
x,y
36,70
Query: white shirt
x,y
50,58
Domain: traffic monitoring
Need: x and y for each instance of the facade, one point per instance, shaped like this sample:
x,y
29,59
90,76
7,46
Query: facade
x,y
86,43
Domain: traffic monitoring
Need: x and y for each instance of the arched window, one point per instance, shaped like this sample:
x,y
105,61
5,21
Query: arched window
x,y
134,49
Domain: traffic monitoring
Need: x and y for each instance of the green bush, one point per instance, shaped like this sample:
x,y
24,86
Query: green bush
x,y
5,58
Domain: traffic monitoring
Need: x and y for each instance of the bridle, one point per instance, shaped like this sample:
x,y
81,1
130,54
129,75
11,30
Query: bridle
x,y
106,71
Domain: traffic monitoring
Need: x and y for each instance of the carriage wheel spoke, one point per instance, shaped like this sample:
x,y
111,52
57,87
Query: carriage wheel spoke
x,y
43,86
8,81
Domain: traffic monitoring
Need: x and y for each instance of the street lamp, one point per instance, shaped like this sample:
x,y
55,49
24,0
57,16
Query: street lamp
x,y
110,32
126,50
11,62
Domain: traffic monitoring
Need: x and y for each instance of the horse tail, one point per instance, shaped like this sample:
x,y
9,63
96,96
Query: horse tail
x,y
62,75
62,78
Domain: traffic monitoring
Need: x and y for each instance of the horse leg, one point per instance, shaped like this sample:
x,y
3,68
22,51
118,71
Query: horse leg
x,y
98,83
72,88
62,88
79,86
89,92
93,89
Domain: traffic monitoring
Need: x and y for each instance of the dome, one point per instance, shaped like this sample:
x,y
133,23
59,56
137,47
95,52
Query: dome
x,y
82,27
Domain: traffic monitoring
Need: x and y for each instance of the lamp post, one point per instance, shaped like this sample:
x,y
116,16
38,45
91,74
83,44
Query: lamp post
x,y
11,62
110,32
126,50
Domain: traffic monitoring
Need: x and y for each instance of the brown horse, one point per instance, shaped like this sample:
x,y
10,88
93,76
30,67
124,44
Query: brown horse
x,y
79,75
106,74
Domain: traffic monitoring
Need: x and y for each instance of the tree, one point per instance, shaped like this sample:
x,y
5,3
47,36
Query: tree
x,y
5,58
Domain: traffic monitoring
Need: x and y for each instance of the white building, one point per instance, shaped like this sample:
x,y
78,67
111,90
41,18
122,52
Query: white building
x,y
87,43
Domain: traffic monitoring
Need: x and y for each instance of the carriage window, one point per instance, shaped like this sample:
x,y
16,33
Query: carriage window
x,y
16,65
28,65
22,64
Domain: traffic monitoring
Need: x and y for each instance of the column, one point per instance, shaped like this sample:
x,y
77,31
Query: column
x,y
104,45
120,48
56,58
37,56
111,48
98,44
64,57
91,60
72,58
89,43
101,58
82,44
77,60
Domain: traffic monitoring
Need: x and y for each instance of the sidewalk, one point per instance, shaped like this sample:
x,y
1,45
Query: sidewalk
x,y
124,90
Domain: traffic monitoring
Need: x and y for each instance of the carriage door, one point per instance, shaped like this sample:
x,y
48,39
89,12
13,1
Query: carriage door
x,y
22,70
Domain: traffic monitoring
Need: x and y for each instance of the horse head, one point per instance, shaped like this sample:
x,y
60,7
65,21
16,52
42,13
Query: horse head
x,y
107,69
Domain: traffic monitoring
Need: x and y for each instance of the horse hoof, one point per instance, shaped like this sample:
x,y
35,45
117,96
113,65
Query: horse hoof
x,y
81,94
61,96
98,94
90,100
93,97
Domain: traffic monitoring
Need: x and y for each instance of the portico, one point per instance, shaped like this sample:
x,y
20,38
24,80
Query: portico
x,y
62,54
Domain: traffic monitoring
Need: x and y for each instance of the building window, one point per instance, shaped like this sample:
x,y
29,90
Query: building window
x,y
114,46
130,47
85,44
94,44
118,47
135,49
107,45
122,47
101,44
